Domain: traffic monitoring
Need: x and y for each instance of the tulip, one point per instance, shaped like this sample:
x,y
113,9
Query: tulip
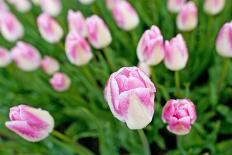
x,y
175,6
30,123
26,56
86,1
111,3
3,6
224,40
5,57
145,68
21,5
10,27
60,82
51,7
98,33
130,95
77,49
187,18
179,115
125,15
176,53
49,65
150,49
49,29
213,7
76,22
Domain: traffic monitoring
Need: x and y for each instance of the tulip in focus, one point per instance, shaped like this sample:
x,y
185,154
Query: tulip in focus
x,y
51,7
145,68
175,6
21,5
98,33
49,65
76,22
5,57
150,49
49,29
213,7
86,1
111,3
30,123
176,53
60,82
179,115
130,95
187,18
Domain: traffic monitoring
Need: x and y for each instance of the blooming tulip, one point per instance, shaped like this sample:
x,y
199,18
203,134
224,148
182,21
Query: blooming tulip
x,y
5,57
111,3
49,65
30,123
21,5
51,7
176,53
86,1
130,95
213,7
49,29
179,115
175,6
98,33
145,68
60,82
150,49
26,56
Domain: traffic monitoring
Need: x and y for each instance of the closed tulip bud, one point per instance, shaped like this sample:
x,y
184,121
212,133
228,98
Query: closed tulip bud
x,y
125,15
145,68
30,123
26,56
86,1
111,3
51,7
176,53
150,49
60,82
49,65
76,22
22,5
77,49
10,27
5,57
187,18
130,95
49,29
98,33
179,115
213,7
224,40
175,6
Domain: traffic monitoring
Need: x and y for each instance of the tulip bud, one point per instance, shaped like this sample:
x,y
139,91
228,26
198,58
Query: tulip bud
x,y
175,6
5,57
224,40
125,15
30,123
187,18
86,1
49,29
150,49
77,49
176,53
10,27
145,68
60,82
49,65
111,3
179,115
21,5
26,56
76,22
98,33
213,7
130,95
51,7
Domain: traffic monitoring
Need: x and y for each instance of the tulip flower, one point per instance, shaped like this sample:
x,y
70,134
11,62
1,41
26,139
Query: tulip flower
x,y
145,68
30,123
187,18
175,6
51,7
150,49
98,33
125,15
10,27
179,115
77,49
76,22
130,95
224,40
49,29
86,1
213,7
21,5
176,53
111,3
26,56
3,6
5,57
49,65
60,82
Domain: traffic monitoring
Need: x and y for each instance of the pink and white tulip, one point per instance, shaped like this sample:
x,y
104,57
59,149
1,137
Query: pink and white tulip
x,y
125,15
213,7
130,95
60,82
76,22
111,3
49,28
77,49
5,58
179,115
86,1
30,123
98,33
176,53
21,5
145,68
51,7
224,40
26,56
175,6
49,65
187,18
150,49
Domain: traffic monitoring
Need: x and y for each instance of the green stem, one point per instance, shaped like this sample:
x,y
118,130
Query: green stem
x,y
179,145
153,74
109,59
177,83
145,143
223,74
62,136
